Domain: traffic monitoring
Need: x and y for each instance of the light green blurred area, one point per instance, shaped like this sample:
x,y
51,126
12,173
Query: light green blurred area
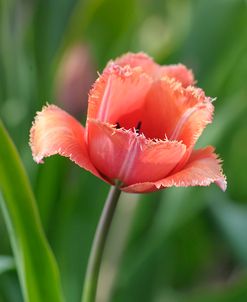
x,y
177,245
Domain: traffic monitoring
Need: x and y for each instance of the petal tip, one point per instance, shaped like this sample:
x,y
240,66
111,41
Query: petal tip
x,y
222,183
38,159
32,136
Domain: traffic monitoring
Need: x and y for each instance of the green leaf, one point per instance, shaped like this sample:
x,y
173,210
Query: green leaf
x,y
35,263
6,264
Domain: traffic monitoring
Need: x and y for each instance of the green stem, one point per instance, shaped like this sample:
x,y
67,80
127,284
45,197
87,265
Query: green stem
x,y
91,278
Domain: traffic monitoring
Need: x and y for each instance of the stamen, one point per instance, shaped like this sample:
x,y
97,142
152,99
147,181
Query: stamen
x,y
117,125
138,127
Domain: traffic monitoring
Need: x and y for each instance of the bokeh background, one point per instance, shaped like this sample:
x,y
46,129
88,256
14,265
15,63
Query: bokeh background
x,y
177,245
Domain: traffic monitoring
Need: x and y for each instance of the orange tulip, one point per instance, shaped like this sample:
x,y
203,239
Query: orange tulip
x,y
142,124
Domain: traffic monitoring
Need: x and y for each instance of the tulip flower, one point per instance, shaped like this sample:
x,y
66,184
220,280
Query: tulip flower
x,y
142,125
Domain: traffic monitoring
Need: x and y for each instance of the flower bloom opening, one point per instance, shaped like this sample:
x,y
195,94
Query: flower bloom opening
x,y
142,125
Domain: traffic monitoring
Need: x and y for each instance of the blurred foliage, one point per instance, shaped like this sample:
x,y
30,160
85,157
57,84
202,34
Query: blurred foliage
x,y
33,257
179,245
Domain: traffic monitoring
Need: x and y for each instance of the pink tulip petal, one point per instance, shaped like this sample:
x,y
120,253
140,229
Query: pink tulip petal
x,y
118,89
202,169
125,155
172,111
56,132
139,60
197,114
179,72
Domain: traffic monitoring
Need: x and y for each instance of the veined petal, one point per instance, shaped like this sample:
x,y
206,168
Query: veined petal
x,y
56,132
130,157
118,90
197,114
202,169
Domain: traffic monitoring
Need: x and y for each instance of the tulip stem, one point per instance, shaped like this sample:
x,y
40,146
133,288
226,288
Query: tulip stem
x,y
92,273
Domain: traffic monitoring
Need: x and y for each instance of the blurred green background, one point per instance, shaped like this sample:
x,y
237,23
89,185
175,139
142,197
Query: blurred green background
x,y
177,245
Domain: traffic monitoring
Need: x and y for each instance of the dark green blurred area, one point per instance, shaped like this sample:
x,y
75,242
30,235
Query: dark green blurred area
x,y
177,245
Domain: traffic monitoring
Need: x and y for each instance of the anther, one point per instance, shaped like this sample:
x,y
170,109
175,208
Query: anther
x,y
138,127
118,125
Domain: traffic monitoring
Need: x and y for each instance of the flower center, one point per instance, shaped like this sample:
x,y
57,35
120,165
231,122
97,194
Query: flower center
x,y
136,129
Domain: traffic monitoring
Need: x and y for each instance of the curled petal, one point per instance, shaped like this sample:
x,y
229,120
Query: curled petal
x,y
196,115
202,169
56,132
130,157
118,89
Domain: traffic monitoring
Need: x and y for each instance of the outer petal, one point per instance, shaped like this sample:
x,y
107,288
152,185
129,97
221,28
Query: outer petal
x,y
139,59
179,71
202,169
56,132
118,90
196,112
129,157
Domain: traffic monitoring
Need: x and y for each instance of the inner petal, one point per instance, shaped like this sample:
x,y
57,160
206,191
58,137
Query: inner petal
x,y
157,115
171,111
